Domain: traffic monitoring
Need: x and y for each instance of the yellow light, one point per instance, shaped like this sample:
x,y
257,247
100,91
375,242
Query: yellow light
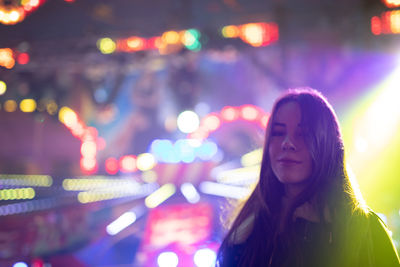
x,y
149,176
395,21
253,34
160,195
106,45
171,37
252,158
6,57
27,105
67,116
3,87
230,31
51,107
18,193
10,106
145,162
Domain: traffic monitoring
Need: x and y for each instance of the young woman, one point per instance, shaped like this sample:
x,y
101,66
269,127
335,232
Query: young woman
x,y
303,211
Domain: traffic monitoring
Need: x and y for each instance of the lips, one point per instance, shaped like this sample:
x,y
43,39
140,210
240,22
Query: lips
x,y
288,161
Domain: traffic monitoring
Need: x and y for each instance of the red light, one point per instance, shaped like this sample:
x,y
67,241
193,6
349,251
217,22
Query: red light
x,y
376,27
23,58
128,163
392,3
111,165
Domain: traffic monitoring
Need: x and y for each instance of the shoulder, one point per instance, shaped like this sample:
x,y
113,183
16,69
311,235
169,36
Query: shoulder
x,y
243,231
380,243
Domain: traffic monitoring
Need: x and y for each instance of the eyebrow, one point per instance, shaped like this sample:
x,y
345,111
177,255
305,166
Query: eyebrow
x,y
284,125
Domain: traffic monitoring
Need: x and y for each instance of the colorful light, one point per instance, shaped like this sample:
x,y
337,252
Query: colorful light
x,y
23,58
10,105
223,190
112,166
190,193
121,223
145,162
3,87
211,122
88,165
205,257
18,193
249,113
128,163
229,113
190,39
106,45
188,121
27,105
167,259
230,31
160,195
6,57
89,149
171,37
392,3
387,23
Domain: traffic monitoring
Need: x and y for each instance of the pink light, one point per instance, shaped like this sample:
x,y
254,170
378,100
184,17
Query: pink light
x,y
88,149
211,122
111,165
128,163
88,165
249,113
229,113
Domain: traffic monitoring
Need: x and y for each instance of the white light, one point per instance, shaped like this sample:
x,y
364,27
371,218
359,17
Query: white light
x,y
190,193
361,144
167,259
205,257
20,264
121,223
224,190
188,121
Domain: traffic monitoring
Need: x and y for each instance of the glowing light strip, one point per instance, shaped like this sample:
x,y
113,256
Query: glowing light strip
x,y
18,193
125,220
25,180
190,193
160,195
116,192
224,190
240,176
93,183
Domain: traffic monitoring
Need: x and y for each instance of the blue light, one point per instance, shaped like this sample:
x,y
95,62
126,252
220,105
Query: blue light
x,y
20,264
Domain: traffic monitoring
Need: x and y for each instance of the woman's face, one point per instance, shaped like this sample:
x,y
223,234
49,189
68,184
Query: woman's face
x,y
290,158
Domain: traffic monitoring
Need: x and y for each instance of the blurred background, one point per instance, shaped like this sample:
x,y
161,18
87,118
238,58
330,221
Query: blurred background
x,y
128,128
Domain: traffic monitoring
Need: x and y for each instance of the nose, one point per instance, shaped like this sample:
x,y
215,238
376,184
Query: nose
x,y
288,144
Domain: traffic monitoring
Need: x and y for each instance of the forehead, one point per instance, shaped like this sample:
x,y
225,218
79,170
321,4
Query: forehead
x,y
288,113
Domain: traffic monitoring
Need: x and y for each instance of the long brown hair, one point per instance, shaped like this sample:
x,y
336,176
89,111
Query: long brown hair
x,y
328,186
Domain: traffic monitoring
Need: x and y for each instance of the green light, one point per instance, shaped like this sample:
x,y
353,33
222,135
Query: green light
x,y
191,39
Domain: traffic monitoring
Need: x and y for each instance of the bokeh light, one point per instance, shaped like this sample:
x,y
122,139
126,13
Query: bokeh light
x,y
167,259
10,105
3,87
205,257
106,45
188,121
27,105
